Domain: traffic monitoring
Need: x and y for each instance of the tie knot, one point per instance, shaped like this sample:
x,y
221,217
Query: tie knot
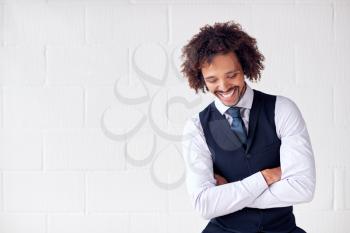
x,y
234,112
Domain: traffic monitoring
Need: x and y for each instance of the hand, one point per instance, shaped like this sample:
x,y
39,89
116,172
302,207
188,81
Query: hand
x,y
272,175
220,180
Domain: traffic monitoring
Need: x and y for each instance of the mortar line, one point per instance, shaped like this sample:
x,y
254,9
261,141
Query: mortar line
x,y
334,192
333,24
84,107
85,193
43,141
2,20
169,23
46,229
2,107
46,80
85,25
2,192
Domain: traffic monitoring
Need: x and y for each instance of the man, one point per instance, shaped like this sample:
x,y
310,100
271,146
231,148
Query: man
x,y
248,154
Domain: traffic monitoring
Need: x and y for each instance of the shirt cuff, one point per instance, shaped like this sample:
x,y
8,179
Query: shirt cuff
x,y
255,184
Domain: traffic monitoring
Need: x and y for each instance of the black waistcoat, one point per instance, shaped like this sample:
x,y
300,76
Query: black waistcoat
x,y
235,162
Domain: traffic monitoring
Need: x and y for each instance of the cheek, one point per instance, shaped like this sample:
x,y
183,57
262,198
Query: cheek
x,y
239,81
210,86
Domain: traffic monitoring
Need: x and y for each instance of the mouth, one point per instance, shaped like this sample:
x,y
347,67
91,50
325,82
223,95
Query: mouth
x,y
226,96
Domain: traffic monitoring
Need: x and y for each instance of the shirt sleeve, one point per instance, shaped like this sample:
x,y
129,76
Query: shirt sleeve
x,y
207,198
297,184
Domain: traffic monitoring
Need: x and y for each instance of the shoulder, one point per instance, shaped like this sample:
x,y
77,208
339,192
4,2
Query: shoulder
x,y
285,104
192,125
288,117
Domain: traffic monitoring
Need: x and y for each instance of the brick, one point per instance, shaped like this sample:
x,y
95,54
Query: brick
x,y
341,27
107,192
120,121
97,101
118,117
65,24
20,149
18,223
185,222
315,2
86,65
175,60
205,14
275,39
1,24
86,149
315,221
181,105
269,31
157,111
22,65
341,221
35,107
43,191
141,148
111,24
341,109
324,143
168,168
179,199
155,68
91,2
279,65
339,188
1,107
148,222
308,18
342,57
23,1
339,147
168,110
323,221
134,90
25,24
92,223
185,2
315,64
1,193
311,101
42,23
346,180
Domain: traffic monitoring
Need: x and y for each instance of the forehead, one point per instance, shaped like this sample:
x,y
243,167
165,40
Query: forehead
x,y
221,63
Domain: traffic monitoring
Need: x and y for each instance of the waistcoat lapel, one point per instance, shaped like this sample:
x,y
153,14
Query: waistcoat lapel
x,y
253,118
221,131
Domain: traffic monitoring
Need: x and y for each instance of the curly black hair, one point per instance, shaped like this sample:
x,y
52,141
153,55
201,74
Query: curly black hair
x,y
221,38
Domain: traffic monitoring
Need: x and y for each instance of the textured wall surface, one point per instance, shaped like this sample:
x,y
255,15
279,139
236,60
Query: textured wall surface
x,y
92,106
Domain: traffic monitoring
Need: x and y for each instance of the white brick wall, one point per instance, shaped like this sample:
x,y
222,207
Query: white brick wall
x,y
65,131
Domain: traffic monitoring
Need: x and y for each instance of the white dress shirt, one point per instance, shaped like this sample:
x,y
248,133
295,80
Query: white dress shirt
x,y
297,182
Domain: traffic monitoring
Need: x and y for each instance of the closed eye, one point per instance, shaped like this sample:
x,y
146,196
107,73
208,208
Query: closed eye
x,y
234,75
211,80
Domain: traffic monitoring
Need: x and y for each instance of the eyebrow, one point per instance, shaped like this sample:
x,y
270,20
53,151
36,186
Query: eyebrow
x,y
231,71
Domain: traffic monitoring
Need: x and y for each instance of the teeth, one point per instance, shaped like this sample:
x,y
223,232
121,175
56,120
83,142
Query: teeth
x,y
227,94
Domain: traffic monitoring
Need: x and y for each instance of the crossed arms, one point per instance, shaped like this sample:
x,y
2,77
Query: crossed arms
x,y
292,183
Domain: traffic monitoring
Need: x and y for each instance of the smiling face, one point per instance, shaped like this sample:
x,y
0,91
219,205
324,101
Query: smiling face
x,y
224,78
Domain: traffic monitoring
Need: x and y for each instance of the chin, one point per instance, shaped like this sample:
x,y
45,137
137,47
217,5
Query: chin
x,y
229,103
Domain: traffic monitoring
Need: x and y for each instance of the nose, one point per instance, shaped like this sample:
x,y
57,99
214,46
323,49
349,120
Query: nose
x,y
223,85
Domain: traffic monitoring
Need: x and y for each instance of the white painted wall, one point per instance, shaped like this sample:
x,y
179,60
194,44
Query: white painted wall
x,y
64,66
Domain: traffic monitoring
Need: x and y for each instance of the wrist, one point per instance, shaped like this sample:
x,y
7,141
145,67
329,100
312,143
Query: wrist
x,y
267,180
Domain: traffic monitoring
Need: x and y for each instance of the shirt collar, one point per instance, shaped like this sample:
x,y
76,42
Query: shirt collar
x,y
245,102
